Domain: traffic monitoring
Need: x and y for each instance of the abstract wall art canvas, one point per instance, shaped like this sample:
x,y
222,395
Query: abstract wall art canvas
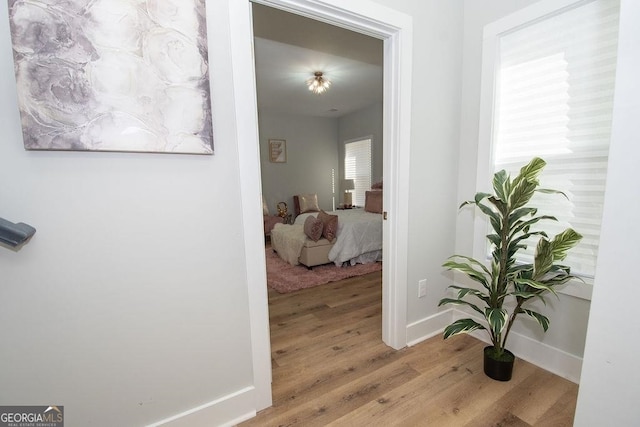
x,y
112,75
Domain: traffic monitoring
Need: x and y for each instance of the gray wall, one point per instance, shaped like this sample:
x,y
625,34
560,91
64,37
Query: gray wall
x,y
315,146
311,157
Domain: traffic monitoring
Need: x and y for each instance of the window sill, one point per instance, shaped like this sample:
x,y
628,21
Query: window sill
x,y
577,289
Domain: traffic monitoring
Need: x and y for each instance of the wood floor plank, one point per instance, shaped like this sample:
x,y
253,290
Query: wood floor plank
x,y
461,404
317,379
336,343
412,402
497,418
331,368
530,405
328,407
561,414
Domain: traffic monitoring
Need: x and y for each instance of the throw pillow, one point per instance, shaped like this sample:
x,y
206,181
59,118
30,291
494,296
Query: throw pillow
x,y
313,228
330,222
308,203
373,201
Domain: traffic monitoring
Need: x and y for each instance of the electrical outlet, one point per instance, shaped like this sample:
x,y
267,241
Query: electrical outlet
x,y
422,288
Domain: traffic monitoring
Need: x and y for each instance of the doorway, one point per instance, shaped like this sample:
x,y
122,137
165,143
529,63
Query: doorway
x,y
395,29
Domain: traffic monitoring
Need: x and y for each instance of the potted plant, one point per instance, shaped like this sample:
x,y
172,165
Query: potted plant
x,y
507,285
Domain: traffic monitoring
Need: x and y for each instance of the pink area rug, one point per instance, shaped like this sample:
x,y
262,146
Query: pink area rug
x,y
284,277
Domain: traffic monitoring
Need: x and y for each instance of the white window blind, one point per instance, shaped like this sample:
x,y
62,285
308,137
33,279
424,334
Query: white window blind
x,y
357,166
554,96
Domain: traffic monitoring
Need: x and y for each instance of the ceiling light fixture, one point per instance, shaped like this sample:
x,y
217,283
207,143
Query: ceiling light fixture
x,y
318,83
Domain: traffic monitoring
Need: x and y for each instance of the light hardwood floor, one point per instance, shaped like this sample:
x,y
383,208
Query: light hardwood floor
x,y
331,368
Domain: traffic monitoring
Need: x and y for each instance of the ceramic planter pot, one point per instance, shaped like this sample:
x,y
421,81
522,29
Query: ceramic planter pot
x,y
499,370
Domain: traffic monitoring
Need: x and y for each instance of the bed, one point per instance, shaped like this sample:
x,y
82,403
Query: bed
x,y
358,239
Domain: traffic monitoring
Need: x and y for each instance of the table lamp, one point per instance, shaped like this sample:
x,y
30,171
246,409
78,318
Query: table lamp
x,y
348,185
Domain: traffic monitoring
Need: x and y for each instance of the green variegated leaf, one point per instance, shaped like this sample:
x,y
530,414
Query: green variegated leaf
x,y
519,213
560,280
461,326
462,292
488,212
543,259
531,170
559,268
521,270
501,185
522,193
536,285
526,236
496,224
513,249
542,320
550,191
524,225
494,238
466,203
501,206
481,196
472,261
523,294
564,241
525,184
465,268
497,318
454,301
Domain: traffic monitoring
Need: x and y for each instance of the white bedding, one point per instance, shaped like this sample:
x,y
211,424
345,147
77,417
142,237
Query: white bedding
x,y
288,241
359,236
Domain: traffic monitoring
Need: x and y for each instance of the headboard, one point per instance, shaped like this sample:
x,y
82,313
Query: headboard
x,y
296,205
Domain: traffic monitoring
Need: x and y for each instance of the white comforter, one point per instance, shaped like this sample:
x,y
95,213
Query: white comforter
x,y
359,237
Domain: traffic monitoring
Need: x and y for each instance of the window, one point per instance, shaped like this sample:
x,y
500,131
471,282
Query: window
x,y
553,77
357,166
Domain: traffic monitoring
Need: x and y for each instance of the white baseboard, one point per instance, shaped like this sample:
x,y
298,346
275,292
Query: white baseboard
x,y
428,327
227,411
540,354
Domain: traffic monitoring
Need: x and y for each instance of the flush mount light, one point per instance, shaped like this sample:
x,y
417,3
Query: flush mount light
x,y
318,83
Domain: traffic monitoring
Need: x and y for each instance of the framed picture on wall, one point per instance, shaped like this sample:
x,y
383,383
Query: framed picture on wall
x,y
113,76
278,151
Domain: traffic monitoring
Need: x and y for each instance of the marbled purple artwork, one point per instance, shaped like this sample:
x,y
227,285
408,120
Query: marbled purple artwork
x,y
112,75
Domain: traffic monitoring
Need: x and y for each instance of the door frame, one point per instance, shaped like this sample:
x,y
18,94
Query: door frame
x,y
396,31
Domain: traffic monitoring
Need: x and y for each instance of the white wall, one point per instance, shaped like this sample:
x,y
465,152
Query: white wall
x,y
130,303
311,156
610,386
437,42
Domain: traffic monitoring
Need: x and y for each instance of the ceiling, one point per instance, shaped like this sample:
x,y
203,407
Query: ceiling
x,y
289,48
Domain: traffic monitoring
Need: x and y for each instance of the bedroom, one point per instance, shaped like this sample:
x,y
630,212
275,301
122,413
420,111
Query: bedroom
x,y
314,129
